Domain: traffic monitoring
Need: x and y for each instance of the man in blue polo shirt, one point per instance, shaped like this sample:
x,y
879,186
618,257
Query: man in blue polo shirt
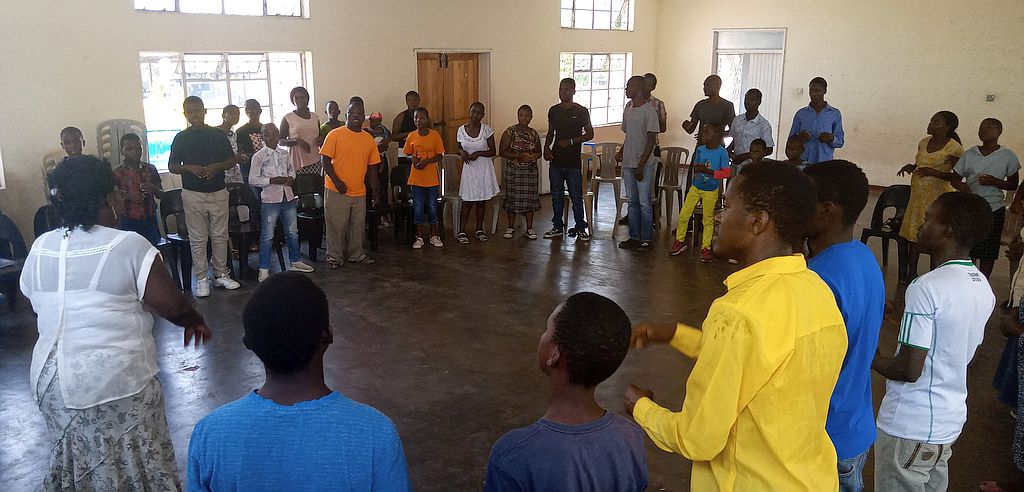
x,y
851,271
818,125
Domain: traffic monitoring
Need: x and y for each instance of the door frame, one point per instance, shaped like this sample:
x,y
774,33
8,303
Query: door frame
x,y
484,84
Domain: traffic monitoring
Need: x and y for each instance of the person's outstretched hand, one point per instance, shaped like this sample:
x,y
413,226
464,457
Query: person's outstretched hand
x,y
633,395
200,331
645,334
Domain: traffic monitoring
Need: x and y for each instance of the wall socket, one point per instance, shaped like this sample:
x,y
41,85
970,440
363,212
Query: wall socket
x,y
799,91
990,97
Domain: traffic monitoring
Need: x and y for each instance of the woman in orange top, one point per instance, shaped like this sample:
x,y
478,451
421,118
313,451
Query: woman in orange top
x,y
425,148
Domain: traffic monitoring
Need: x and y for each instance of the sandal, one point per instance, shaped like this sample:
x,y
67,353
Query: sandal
x,y
509,233
462,238
481,236
333,263
365,260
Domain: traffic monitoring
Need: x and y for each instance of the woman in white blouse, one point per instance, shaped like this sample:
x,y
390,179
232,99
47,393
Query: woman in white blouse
x,y
94,368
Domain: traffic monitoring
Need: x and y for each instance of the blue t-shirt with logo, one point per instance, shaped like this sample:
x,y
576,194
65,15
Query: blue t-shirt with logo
x,y
717,159
851,271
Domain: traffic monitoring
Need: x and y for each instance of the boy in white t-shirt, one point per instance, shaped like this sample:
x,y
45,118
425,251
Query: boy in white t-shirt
x,y
925,403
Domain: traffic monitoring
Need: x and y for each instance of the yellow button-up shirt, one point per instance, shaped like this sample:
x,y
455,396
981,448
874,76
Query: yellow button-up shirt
x,y
767,360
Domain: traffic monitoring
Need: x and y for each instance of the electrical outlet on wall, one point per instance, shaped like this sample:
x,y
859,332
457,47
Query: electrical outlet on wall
x,y
799,91
990,97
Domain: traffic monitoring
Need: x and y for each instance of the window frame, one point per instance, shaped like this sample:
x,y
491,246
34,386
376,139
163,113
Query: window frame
x,y
630,7
267,106
303,10
611,120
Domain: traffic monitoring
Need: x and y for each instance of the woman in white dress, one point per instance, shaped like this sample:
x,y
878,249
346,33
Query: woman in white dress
x,y
94,367
479,183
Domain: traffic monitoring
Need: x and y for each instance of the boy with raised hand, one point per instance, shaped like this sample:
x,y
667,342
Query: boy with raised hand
x,y
925,403
294,432
577,445
710,164
201,154
767,357
851,271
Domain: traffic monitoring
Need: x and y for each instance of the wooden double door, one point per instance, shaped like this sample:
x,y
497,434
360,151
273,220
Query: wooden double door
x,y
448,84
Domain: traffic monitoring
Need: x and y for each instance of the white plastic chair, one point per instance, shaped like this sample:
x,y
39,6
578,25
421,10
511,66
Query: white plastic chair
x,y
588,163
450,174
108,139
607,174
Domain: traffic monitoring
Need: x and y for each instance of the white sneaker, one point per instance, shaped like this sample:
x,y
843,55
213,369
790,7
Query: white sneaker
x,y
203,288
226,282
435,241
264,274
418,243
298,266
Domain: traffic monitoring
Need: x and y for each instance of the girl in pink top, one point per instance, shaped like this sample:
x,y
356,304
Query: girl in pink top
x,y
300,132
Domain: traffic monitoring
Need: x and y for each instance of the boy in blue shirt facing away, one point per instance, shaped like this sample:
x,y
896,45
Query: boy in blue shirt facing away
x,y
578,445
710,164
851,271
294,433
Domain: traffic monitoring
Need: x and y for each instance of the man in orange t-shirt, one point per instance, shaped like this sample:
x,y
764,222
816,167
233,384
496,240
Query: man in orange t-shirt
x,y
346,155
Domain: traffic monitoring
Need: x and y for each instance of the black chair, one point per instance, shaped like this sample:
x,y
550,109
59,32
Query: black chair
x,y
387,206
12,247
655,195
177,242
309,189
896,197
45,220
401,204
245,233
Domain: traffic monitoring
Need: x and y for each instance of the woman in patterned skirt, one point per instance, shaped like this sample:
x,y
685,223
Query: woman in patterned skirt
x,y
94,370
521,147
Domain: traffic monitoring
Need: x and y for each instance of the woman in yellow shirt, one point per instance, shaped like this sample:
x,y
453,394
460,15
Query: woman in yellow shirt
x,y
425,148
930,173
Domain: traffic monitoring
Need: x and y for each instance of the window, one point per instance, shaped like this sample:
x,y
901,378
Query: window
x,y
219,79
752,59
600,83
289,8
613,15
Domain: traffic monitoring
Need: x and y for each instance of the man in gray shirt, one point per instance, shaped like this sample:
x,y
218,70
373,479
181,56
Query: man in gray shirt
x,y
714,109
641,125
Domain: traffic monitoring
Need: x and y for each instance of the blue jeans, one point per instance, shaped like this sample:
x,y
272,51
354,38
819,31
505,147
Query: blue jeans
x,y
641,209
573,178
851,473
424,204
287,212
146,228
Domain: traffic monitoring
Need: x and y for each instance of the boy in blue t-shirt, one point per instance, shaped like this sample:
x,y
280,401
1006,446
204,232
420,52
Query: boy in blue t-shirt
x,y
294,432
851,271
578,445
710,164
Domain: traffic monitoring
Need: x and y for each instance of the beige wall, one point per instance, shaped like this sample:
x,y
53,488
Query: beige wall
x,y
76,63
890,66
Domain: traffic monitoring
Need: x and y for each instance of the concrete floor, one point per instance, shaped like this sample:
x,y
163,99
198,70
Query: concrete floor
x,y
443,341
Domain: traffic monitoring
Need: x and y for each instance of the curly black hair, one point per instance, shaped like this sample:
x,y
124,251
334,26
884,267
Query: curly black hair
x,y
592,333
82,185
968,216
843,183
284,321
783,191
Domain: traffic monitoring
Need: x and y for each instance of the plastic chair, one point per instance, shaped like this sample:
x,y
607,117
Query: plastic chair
x,y
245,230
607,173
896,197
588,163
500,164
12,247
50,162
450,174
670,186
696,220
401,203
108,139
309,189
181,259
655,195
45,220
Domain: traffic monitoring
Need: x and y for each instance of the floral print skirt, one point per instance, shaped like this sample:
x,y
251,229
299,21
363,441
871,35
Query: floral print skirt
x,y
119,445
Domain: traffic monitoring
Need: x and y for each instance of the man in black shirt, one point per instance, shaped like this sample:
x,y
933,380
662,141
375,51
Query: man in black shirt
x,y
249,136
201,154
568,127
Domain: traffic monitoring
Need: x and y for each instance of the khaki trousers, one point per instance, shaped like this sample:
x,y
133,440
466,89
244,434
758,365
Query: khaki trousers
x,y
206,217
346,224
